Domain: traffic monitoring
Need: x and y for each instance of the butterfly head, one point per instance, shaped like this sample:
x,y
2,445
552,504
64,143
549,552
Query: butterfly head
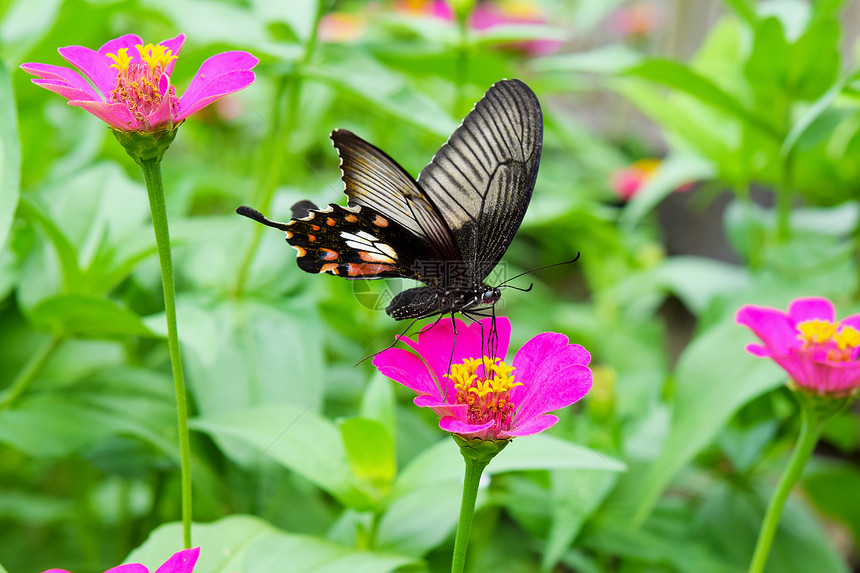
x,y
491,296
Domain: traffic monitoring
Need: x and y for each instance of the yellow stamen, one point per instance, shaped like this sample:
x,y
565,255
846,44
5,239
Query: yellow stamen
x,y
816,331
847,338
121,60
155,55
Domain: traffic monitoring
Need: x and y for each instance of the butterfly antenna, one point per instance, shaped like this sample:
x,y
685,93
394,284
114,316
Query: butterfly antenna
x,y
260,218
531,285
505,283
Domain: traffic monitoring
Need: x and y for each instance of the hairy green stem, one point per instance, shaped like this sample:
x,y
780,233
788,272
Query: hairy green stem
x,y
28,373
474,469
155,189
811,425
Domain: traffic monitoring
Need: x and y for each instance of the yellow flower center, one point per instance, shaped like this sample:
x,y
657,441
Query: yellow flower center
x,y
483,384
137,83
838,340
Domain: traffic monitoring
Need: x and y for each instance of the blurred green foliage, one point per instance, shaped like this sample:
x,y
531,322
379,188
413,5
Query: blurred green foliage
x,y
304,461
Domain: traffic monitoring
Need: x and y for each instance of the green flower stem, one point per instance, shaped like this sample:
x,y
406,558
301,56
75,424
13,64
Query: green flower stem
x,y
474,469
477,454
784,199
154,188
811,425
28,373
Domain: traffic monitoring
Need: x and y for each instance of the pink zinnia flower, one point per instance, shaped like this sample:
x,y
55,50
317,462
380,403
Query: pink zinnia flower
x,y
180,562
483,397
818,353
129,82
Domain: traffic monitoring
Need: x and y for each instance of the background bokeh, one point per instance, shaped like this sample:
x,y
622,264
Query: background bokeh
x,y
700,155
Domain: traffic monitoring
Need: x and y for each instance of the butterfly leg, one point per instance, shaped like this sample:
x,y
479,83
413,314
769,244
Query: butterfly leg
x,y
396,340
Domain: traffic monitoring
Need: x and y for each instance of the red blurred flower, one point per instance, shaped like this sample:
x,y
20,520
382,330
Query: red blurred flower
x,y
627,181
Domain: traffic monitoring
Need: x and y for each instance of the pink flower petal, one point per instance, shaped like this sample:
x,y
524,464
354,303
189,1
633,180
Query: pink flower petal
x,y
471,341
408,369
57,74
62,88
533,426
213,91
56,571
219,75
162,116
455,426
129,568
852,320
554,375
180,562
811,308
772,326
758,350
175,46
441,407
114,114
554,388
96,65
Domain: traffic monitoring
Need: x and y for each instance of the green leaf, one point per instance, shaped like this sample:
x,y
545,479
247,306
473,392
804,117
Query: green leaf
x,y
425,498
609,59
370,452
224,544
10,155
24,25
833,487
389,93
575,496
314,555
730,519
235,352
87,315
299,16
808,117
65,250
715,376
697,280
295,437
814,63
678,76
745,9
54,427
443,462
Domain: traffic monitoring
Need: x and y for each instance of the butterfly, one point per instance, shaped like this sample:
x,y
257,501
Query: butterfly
x,y
448,229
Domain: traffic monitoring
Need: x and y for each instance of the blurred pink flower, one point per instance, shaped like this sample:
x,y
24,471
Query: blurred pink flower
x,y
132,91
180,562
483,397
627,181
635,20
437,8
818,353
487,15
341,27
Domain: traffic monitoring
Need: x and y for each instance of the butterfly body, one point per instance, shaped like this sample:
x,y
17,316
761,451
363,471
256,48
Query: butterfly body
x,y
449,228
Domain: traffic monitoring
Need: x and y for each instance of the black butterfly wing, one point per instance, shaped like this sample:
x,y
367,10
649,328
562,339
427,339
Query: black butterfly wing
x,y
374,180
355,243
482,179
